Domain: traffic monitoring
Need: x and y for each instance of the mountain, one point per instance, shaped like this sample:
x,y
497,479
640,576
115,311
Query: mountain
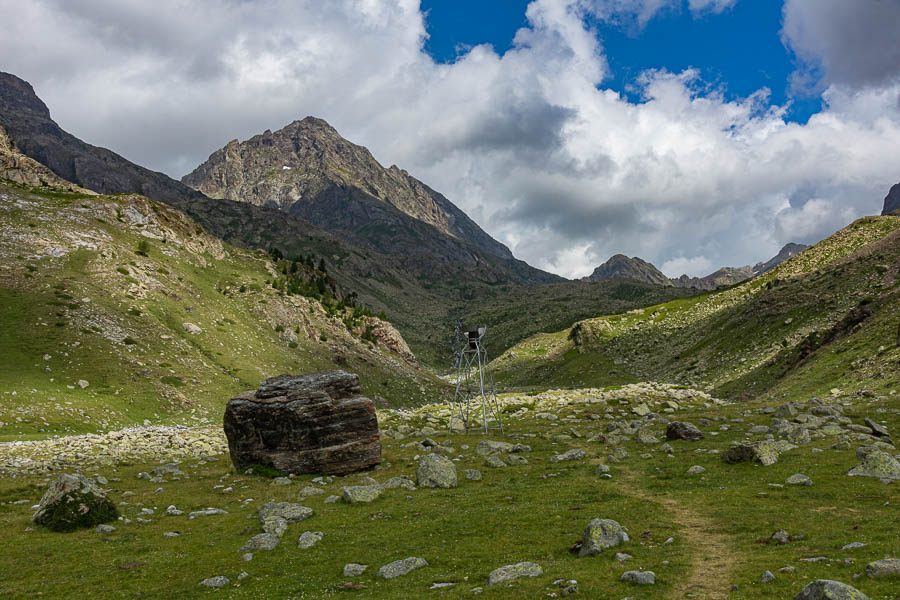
x,y
788,251
309,170
620,266
892,201
824,319
431,279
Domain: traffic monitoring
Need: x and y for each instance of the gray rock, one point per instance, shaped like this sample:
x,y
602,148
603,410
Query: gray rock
x,y
681,430
73,501
853,546
354,569
361,494
289,511
884,569
401,567
308,539
515,459
206,513
495,462
878,430
400,481
275,525
216,581
826,589
601,469
798,479
573,454
331,499
488,447
639,577
473,474
281,481
622,556
601,534
436,471
511,572
696,470
644,436
765,452
261,541
166,470
767,577
311,490
102,528
877,464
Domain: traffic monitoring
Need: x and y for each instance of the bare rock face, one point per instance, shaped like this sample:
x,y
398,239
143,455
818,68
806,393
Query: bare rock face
x,y
313,423
892,201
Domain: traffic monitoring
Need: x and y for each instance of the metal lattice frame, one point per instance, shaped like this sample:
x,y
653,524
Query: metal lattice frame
x,y
475,385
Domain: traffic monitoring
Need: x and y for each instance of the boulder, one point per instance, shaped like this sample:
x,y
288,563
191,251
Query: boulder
x,y
308,539
401,567
877,464
826,589
314,423
573,454
289,511
679,430
511,572
639,577
884,569
435,470
73,501
765,452
361,494
601,534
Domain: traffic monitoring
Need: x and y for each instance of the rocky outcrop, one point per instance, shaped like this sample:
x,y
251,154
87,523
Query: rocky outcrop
x,y
73,501
620,266
314,423
23,170
892,201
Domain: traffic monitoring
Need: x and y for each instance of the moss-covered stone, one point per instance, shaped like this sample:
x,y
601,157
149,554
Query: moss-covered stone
x,y
72,502
510,572
436,471
877,464
601,534
826,589
765,452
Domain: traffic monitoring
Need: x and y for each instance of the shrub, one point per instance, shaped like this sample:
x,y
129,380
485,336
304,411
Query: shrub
x,y
143,248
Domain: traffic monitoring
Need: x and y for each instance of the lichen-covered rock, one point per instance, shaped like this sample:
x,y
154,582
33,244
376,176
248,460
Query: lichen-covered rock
x,y
401,481
573,454
261,541
354,569
877,464
361,494
511,572
765,452
401,567
681,430
73,501
314,423
289,511
308,539
488,447
826,589
436,471
798,479
884,569
601,534
639,577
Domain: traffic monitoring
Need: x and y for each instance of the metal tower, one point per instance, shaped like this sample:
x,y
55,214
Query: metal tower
x,y
474,383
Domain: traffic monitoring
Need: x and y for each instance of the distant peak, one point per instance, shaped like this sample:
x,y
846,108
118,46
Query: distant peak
x,y
18,95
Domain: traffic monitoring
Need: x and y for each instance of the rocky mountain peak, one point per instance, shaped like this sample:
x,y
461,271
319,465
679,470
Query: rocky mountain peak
x,y
620,266
18,95
892,201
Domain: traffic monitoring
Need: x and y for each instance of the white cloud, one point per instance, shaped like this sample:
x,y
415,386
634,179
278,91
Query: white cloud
x,y
695,266
713,6
527,142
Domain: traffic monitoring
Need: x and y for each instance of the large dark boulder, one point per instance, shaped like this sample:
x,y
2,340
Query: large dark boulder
x,y
682,430
313,423
892,201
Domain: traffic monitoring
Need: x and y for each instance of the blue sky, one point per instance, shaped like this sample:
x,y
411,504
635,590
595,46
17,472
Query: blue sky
x,y
737,51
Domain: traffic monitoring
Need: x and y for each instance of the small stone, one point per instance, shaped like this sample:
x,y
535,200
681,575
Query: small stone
x,y
884,569
573,454
354,569
308,539
622,557
767,577
511,572
192,329
639,577
83,383
331,499
281,481
473,474
680,430
601,534
290,512
853,546
247,557
826,589
103,528
171,534
696,470
401,567
261,541
361,494
798,479
601,469
494,462
215,582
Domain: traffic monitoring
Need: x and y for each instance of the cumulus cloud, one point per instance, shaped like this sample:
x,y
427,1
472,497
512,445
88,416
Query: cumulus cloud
x,y
846,43
528,142
713,6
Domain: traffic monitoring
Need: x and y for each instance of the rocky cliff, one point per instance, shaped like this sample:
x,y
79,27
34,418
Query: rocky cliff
x,y
309,170
892,201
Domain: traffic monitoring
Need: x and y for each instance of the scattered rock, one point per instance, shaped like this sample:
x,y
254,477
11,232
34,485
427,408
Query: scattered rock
x,y
308,539
192,329
798,479
488,447
314,423
511,572
680,430
765,452
354,569
884,569
601,534
573,454
361,494
401,481
495,462
767,577
878,430
401,567
696,470
639,577
473,474
289,511
73,501
104,528
826,589
877,464
261,541
437,471
215,582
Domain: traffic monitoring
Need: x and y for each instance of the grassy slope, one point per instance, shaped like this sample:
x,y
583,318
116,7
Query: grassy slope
x,y
746,339
104,313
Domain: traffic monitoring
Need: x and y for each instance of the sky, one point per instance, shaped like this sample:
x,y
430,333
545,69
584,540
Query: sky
x,y
692,133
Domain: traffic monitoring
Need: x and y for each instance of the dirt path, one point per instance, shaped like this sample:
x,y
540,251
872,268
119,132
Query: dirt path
x,y
711,555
